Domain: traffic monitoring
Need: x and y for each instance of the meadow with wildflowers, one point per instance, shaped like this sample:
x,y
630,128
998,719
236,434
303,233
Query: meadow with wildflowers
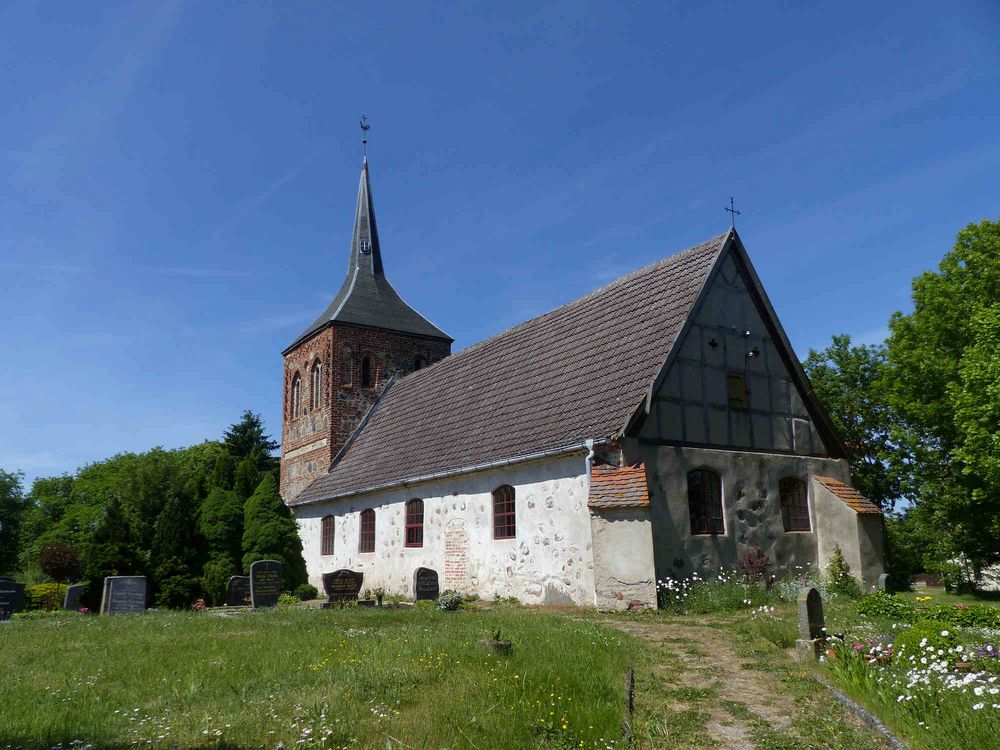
x,y
307,678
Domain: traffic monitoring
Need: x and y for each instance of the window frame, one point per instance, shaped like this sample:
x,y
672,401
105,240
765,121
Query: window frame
x,y
414,521
794,505
316,384
738,391
367,378
328,536
366,531
296,394
707,515
504,520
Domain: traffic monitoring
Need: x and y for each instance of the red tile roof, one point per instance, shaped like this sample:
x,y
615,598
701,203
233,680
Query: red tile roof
x,y
572,374
611,487
849,495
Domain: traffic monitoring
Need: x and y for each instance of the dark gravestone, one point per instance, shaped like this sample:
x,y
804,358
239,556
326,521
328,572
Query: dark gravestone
x,y
11,598
425,584
342,586
265,583
124,595
238,591
811,625
72,600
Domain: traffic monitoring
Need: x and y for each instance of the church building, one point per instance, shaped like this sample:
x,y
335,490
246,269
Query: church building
x,y
656,427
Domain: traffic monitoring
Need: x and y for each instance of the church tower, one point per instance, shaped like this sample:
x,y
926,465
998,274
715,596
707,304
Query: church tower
x,y
335,370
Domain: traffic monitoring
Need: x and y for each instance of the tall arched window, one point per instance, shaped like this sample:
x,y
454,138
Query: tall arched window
x,y
317,384
418,363
415,523
347,366
705,502
367,372
504,516
794,504
296,395
366,537
327,529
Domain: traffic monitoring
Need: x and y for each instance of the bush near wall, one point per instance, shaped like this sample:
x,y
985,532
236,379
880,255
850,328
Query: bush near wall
x,y
44,596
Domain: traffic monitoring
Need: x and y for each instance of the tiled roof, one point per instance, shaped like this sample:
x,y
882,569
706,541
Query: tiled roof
x,y
611,487
849,495
573,374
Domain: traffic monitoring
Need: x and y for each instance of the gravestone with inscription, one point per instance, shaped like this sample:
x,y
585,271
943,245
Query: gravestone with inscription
x,y
265,583
812,631
73,593
11,598
341,586
124,595
238,591
425,584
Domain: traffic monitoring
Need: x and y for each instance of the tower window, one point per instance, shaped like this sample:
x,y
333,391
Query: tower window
x,y
705,502
367,372
296,395
418,363
504,516
794,504
366,537
317,384
415,523
327,535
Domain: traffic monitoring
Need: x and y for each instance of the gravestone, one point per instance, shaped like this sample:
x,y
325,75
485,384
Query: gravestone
x,y
811,625
238,591
11,598
425,584
72,600
341,586
265,583
883,582
124,595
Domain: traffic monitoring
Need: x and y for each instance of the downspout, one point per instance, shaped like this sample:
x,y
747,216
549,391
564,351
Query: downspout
x,y
589,443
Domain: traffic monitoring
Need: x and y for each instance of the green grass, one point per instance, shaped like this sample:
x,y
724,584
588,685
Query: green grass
x,y
940,596
347,678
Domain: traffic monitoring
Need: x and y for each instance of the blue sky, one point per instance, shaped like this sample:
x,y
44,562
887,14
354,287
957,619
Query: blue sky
x,y
178,180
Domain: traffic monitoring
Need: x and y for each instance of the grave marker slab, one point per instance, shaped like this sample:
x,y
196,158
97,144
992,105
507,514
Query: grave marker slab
x,y
883,582
265,583
73,593
124,595
811,624
425,584
238,591
11,598
342,586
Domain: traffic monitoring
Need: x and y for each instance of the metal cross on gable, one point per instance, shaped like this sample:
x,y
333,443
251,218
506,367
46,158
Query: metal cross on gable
x,y
732,210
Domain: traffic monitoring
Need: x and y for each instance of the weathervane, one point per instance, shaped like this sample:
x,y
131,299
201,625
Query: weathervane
x,y
364,134
733,210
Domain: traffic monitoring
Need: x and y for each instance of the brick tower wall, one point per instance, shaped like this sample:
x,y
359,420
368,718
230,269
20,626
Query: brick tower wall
x,y
310,440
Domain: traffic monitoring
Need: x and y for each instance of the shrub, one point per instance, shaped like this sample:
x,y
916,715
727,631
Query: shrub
x,y
753,564
270,533
449,601
305,592
60,561
841,580
882,604
178,588
966,616
923,638
288,601
424,604
48,596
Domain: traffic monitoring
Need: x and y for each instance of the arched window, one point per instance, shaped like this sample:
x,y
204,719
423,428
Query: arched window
x,y
347,366
326,535
705,502
296,395
317,384
415,523
366,537
418,363
367,372
504,517
794,504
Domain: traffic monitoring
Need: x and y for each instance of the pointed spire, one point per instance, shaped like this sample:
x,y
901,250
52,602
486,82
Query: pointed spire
x,y
366,255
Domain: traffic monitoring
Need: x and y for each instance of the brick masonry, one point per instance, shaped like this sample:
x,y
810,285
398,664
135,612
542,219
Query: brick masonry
x,y
311,439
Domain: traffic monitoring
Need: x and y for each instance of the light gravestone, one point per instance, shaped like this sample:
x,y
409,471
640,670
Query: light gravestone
x,y
425,584
265,583
124,595
73,593
238,591
341,586
11,598
883,582
812,631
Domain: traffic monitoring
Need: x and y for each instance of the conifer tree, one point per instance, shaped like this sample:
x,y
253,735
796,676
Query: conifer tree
x,y
112,552
247,477
220,522
224,472
270,533
247,436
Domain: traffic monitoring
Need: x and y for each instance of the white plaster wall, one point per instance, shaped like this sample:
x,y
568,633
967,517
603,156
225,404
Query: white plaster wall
x,y
550,561
623,558
859,536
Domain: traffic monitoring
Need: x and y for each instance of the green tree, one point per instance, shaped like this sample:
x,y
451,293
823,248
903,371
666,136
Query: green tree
x,y
220,521
176,531
224,471
248,476
849,381
943,383
270,533
13,507
112,552
248,436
